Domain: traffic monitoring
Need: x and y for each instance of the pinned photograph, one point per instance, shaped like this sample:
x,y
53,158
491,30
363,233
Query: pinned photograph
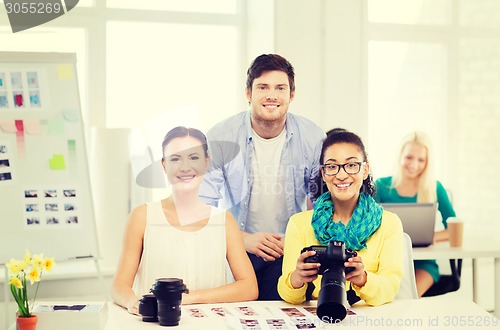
x,y
50,193
32,78
69,207
51,207
5,176
31,207
16,80
4,102
3,149
52,221
18,99
31,193
3,84
4,163
72,220
69,192
35,99
33,221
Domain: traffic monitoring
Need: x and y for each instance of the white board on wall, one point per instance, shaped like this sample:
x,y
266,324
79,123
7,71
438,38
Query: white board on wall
x,y
45,194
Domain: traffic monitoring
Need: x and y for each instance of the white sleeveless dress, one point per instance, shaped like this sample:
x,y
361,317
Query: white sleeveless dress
x,y
198,258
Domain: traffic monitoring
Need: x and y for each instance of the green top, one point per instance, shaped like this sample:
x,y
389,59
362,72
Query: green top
x,y
388,194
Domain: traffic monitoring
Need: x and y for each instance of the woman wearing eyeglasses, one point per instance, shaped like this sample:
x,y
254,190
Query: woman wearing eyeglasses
x,y
345,212
414,182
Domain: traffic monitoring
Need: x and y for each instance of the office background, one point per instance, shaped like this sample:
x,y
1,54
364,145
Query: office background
x,y
378,67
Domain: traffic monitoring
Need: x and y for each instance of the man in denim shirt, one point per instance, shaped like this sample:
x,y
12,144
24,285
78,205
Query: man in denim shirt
x,y
263,161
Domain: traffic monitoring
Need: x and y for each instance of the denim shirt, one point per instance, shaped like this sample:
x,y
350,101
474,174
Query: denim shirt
x,y
229,178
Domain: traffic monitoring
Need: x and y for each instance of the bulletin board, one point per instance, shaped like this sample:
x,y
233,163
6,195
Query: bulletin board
x,y
45,194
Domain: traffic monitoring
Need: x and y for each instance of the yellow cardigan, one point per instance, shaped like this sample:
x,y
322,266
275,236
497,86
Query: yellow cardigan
x,y
382,259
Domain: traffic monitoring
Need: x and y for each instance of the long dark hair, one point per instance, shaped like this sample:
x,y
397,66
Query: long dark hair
x,y
340,135
181,131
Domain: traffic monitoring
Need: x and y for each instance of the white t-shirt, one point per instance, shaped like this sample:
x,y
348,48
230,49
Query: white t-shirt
x,y
198,258
267,207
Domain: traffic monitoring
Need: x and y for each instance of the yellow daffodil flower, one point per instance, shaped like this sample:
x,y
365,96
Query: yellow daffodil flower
x,y
14,267
49,263
15,281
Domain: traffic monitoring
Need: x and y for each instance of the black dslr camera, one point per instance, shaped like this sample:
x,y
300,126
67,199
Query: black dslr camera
x,y
332,301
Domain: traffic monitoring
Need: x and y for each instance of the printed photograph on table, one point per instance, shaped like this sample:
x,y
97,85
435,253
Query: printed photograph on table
x,y
196,312
250,324
247,311
220,311
303,323
292,312
276,324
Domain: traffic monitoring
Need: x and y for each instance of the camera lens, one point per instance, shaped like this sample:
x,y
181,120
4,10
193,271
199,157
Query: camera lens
x,y
148,308
168,293
332,302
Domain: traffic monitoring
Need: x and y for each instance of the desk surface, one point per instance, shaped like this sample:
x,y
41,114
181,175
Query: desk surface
x,y
426,313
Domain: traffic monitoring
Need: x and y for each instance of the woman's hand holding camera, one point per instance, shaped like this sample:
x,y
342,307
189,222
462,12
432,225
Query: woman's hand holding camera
x,y
358,275
304,271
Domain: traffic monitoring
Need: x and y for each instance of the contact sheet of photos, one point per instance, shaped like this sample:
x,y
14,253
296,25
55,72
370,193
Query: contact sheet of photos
x,y
6,168
253,317
21,90
50,207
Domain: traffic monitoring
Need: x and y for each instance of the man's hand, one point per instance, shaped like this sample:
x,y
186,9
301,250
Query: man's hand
x,y
268,246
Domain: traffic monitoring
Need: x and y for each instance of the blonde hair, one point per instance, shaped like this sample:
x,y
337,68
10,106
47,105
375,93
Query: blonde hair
x,y
426,192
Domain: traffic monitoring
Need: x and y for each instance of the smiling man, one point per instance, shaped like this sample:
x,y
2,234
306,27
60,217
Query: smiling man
x,y
262,162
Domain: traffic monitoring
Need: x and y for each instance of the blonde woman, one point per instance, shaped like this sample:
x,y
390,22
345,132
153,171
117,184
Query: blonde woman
x,y
414,182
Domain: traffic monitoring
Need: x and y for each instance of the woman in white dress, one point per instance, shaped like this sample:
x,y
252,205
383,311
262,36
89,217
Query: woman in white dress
x,y
183,237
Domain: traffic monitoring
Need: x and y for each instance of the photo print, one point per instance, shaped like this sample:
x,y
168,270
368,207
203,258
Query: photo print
x,y
3,149
292,312
31,193
50,193
220,311
69,193
32,208
4,163
5,176
52,221
72,220
276,324
32,78
196,312
4,101
69,207
3,84
247,311
52,207
250,324
303,323
33,221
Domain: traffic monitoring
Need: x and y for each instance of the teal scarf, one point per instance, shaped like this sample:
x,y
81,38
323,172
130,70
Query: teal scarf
x,y
365,220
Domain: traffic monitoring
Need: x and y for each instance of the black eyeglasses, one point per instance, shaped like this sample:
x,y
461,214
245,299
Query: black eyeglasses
x,y
349,168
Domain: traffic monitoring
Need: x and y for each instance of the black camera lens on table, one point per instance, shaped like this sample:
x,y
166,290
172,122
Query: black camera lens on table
x,y
148,308
168,294
332,301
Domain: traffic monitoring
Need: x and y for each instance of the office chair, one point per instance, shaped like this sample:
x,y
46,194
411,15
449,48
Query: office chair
x,y
449,282
408,286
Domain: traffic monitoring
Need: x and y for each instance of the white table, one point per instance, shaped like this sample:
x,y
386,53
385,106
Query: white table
x,y
427,313
472,248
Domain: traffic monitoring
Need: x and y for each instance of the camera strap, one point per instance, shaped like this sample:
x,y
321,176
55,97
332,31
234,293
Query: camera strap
x,y
352,297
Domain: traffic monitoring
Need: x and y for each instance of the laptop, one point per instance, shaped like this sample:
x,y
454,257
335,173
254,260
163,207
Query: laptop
x,y
418,220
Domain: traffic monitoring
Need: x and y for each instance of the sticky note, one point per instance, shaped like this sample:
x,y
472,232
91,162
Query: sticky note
x,y
64,72
56,126
57,162
33,127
